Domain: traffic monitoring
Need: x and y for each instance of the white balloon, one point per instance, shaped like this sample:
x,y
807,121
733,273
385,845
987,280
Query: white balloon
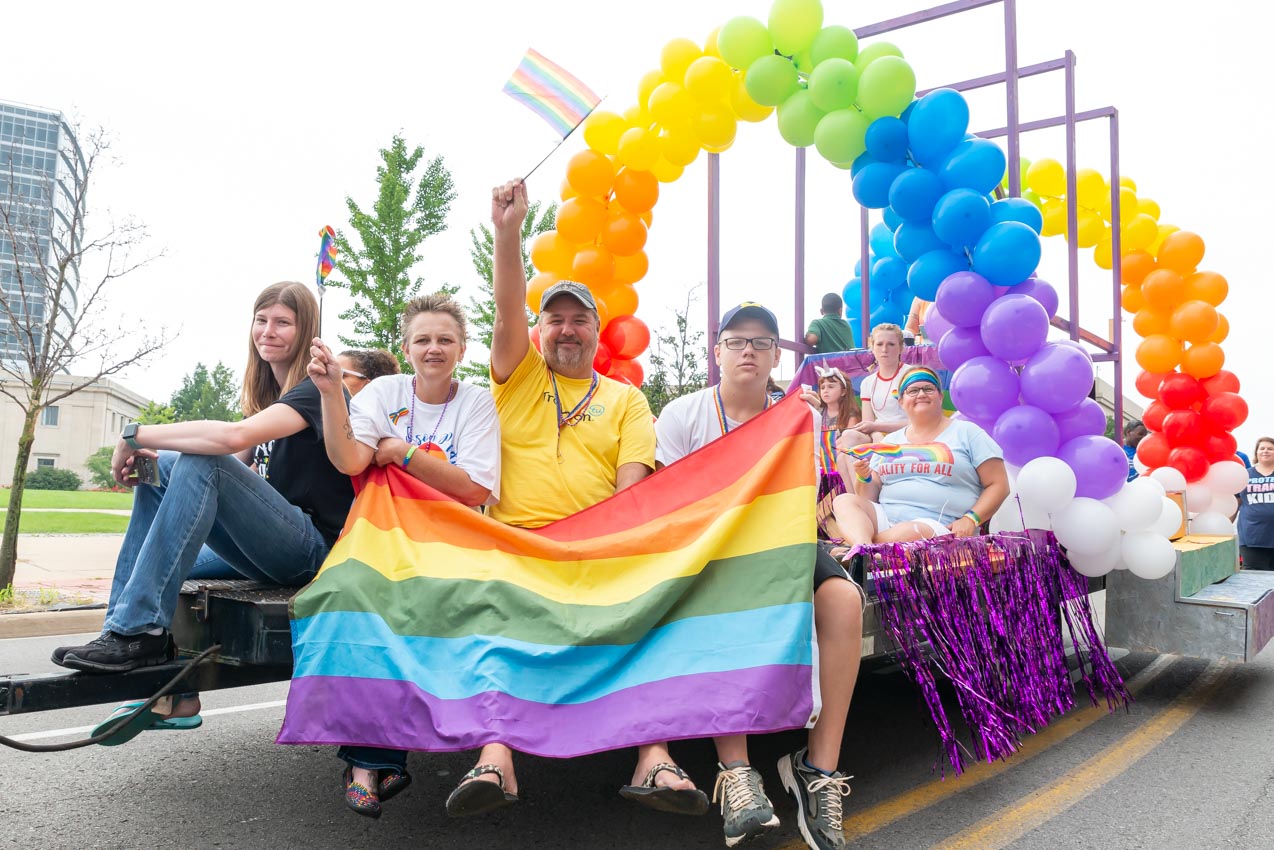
x,y
1137,504
1171,479
1141,468
1148,555
1095,565
1169,519
1225,505
1198,497
1086,526
1152,482
1226,477
1046,484
1016,515
1210,523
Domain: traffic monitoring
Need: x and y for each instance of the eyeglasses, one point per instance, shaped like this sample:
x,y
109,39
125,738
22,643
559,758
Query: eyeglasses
x,y
350,373
759,343
929,389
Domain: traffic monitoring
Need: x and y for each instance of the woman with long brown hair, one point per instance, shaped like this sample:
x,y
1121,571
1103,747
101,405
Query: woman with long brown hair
x,y
274,523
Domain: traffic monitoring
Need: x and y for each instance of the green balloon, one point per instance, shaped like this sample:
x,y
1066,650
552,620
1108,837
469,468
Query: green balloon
x,y
771,80
798,119
841,136
834,42
874,51
742,41
886,87
794,23
834,84
803,62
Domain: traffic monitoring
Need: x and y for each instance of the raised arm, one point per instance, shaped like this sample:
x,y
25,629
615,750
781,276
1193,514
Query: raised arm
x,y
345,452
509,338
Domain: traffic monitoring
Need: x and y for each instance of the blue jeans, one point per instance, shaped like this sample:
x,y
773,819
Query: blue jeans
x,y
374,758
205,499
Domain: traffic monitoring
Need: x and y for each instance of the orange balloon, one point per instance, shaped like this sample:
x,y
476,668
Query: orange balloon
x,y
624,234
535,289
590,173
603,312
1222,329
535,336
1135,266
567,191
1149,322
1159,353
594,266
1203,360
622,298
632,268
1132,299
1207,286
637,191
626,371
647,218
1194,321
551,253
580,220
1182,251
1164,289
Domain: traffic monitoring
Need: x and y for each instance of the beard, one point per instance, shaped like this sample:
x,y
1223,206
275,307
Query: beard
x,y
568,356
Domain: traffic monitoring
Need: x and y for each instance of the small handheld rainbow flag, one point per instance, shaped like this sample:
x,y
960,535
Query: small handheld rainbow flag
x,y
326,258
879,449
551,92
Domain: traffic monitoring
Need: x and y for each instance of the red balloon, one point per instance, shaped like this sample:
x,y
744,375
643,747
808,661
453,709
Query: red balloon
x,y
1148,383
626,336
1219,447
1153,417
1153,450
1221,382
535,336
1225,411
1180,391
1189,461
627,371
1183,427
602,359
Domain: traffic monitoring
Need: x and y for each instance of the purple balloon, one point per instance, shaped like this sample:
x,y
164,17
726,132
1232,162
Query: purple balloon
x,y
1099,464
960,345
1041,291
936,325
1084,419
983,388
963,297
1056,378
1024,433
1014,327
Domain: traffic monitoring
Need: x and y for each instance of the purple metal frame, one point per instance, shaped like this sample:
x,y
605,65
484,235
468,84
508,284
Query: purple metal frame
x,y
1110,350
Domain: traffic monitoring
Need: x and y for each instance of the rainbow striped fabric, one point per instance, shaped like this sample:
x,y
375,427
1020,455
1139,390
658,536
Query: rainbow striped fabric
x,y
552,93
326,257
679,608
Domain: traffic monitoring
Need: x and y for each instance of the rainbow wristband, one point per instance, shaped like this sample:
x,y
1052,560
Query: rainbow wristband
x,y
971,514
866,480
407,457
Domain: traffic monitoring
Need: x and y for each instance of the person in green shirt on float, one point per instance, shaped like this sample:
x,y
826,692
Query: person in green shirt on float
x,y
830,332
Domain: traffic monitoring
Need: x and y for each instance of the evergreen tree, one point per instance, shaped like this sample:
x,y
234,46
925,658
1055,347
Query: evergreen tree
x,y
205,395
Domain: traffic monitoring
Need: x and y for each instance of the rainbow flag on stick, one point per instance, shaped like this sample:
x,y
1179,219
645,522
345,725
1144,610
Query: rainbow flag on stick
x,y
326,258
679,608
551,92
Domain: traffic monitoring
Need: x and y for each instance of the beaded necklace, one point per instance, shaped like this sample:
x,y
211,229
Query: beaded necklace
x,y
411,403
889,389
721,420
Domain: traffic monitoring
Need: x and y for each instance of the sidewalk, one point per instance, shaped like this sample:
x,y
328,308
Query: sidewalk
x,y
73,563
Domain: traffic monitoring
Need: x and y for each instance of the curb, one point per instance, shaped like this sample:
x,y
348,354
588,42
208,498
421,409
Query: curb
x,y
46,623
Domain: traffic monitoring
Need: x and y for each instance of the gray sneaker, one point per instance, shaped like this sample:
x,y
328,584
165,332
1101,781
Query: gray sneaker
x,y
746,810
819,799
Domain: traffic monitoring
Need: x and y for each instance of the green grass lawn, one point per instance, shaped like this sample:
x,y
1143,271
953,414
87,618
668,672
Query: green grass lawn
x,y
71,499
53,523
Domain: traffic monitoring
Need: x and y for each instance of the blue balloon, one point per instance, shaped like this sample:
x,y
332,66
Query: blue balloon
x,y
852,295
960,217
976,164
858,268
927,273
914,193
892,221
887,274
887,139
915,238
860,162
1007,253
906,113
882,241
1018,209
871,186
885,313
937,123
901,298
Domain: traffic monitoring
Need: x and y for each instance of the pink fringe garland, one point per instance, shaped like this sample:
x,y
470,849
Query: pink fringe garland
x,y
987,614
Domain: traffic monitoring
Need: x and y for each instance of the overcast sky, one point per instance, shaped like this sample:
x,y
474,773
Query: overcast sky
x,y
240,128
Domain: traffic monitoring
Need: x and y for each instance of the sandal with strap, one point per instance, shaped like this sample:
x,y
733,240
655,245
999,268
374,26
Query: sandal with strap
x,y
392,782
678,801
139,721
479,796
359,797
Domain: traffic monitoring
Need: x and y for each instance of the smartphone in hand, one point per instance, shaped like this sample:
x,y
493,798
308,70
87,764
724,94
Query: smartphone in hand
x,y
146,470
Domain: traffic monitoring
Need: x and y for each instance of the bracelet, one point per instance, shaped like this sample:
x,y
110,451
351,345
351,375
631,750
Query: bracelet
x,y
407,457
863,480
972,514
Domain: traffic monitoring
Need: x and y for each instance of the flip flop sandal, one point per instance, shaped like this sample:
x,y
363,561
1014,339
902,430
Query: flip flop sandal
x,y
479,797
140,723
678,801
393,782
359,797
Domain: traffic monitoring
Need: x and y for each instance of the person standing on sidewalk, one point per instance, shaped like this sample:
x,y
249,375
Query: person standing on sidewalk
x,y
1256,510
275,524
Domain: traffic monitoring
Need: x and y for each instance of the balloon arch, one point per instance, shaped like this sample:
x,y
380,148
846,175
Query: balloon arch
x,y
945,239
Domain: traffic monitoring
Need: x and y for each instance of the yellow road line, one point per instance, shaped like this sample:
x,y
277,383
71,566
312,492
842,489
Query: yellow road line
x,y
908,803
1039,807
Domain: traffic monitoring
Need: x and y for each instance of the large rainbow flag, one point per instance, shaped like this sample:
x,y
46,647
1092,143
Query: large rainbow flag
x,y
679,608
551,92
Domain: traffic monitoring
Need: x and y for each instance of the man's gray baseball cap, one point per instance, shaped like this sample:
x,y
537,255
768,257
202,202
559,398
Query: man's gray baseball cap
x,y
578,291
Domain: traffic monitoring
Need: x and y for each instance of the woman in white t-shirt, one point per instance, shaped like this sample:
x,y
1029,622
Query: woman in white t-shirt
x,y
442,431
882,411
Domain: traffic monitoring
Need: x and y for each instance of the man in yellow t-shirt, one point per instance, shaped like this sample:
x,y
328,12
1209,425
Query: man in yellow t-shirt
x,y
570,439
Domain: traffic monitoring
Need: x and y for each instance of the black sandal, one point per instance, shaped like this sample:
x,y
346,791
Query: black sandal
x,y
678,801
479,796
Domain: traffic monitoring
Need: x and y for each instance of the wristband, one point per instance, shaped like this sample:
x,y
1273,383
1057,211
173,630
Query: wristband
x,y
971,514
407,457
866,480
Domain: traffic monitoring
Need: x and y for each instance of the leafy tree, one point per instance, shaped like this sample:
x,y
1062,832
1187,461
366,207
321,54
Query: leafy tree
x,y
207,395
155,413
482,310
678,360
99,467
408,210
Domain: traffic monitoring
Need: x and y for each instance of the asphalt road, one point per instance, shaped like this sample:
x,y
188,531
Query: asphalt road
x,y
1189,766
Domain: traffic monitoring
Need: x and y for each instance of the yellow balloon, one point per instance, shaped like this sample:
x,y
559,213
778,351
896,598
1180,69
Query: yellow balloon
x,y
665,171
1090,188
649,82
714,129
1054,217
1104,252
710,44
1091,229
1139,233
744,107
1127,183
637,116
1165,230
676,57
1046,178
602,131
1149,207
669,104
709,79
679,147
638,149
1128,207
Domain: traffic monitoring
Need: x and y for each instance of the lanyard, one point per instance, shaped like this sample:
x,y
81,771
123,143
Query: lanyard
x,y
721,420
574,416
